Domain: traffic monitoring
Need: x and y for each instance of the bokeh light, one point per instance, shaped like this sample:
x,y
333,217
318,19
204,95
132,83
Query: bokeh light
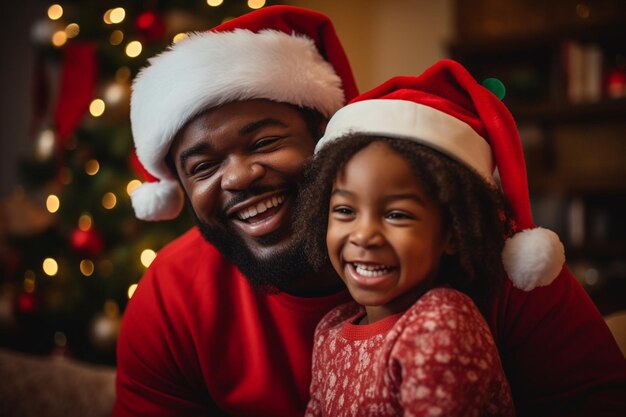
x,y
256,4
133,49
109,200
132,185
96,108
87,267
147,256
50,267
53,203
92,167
55,12
131,290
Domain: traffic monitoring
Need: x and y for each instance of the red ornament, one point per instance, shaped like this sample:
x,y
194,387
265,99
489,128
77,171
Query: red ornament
x,y
86,242
616,83
26,303
150,25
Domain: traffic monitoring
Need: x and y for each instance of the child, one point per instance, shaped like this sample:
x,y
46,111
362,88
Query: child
x,y
415,227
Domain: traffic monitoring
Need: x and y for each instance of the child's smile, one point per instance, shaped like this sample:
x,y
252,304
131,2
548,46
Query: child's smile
x,y
385,234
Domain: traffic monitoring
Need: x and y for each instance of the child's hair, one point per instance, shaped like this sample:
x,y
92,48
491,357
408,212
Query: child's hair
x,y
474,210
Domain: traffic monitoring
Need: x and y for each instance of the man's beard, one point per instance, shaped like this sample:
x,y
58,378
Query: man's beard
x,y
271,273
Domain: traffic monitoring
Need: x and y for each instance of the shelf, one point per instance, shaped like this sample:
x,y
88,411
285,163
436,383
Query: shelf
x,y
556,112
534,42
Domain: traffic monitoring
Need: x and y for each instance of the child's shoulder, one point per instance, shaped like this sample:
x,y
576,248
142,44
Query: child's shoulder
x,y
443,309
445,298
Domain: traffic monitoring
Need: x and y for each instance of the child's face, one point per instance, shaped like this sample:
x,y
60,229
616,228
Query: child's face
x,y
385,234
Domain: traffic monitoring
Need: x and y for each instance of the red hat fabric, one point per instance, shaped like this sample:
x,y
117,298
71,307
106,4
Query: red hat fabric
x,y
446,109
281,53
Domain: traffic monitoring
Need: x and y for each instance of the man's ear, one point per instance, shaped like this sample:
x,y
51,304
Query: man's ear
x,y
322,127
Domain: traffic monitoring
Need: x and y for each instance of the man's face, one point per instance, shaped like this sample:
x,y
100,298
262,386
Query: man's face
x,y
240,165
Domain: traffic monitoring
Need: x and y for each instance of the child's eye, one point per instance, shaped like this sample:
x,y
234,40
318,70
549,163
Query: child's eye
x,y
399,215
343,212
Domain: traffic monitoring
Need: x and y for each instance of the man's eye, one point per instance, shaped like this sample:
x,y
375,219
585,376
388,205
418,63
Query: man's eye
x,y
265,142
203,168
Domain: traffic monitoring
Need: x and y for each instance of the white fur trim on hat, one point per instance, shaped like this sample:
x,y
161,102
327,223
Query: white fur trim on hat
x,y
161,200
212,68
417,122
533,258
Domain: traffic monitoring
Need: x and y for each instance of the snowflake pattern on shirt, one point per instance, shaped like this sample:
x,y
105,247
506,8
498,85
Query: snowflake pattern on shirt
x,y
436,359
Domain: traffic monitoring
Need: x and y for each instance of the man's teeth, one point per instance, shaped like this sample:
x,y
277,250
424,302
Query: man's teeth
x,y
371,270
261,207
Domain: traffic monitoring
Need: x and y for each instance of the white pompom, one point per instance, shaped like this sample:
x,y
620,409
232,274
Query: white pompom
x,y
533,258
162,200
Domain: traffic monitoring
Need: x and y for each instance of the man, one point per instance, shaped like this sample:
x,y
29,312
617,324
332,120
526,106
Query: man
x,y
222,323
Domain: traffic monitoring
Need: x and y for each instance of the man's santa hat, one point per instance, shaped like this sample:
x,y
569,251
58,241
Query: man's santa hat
x,y
446,109
281,53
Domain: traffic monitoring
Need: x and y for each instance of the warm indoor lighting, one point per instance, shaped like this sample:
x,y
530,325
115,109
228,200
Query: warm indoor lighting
x,y
113,16
256,4
179,37
116,37
131,290
133,49
29,285
114,93
132,185
50,267
85,221
72,30
59,38
214,3
92,167
109,200
44,146
122,74
86,267
96,108
583,11
53,203
55,12
147,256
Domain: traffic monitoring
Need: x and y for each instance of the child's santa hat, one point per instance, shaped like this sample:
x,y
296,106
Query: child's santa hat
x,y
281,53
446,109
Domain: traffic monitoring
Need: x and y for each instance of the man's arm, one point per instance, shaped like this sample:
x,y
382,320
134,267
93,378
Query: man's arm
x,y
157,371
558,353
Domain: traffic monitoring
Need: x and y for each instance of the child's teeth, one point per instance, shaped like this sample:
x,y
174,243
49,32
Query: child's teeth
x,y
371,270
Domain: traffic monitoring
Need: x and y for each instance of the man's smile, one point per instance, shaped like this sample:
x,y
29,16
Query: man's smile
x,y
254,211
261,215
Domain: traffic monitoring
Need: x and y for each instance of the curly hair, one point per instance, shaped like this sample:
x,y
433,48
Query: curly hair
x,y
475,211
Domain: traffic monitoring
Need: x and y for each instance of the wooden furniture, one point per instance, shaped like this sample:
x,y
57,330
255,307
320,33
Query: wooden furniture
x,y
563,63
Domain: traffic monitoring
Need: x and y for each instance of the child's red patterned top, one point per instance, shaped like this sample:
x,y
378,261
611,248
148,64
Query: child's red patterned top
x,y
436,359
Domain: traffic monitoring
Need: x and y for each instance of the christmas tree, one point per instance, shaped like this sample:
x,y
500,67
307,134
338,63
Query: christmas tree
x,y
72,251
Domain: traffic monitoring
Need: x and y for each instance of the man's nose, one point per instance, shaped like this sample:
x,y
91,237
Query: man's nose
x,y
367,233
239,173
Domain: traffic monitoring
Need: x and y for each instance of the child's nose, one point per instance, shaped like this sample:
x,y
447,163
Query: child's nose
x,y
367,234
